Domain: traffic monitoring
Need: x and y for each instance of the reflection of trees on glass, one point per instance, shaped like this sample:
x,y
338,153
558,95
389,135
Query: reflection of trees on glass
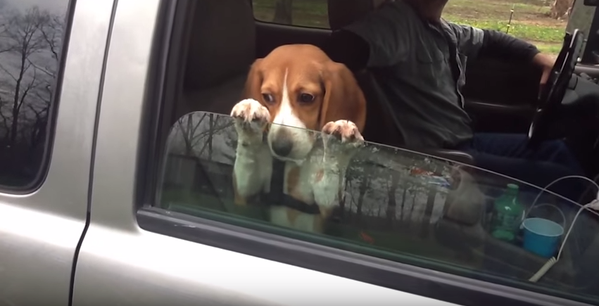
x,y
395,202
384,189
197,141
383,193
29,54
199,158
197,134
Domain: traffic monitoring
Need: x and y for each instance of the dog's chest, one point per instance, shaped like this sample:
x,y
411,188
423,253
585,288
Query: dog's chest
x,y
297,181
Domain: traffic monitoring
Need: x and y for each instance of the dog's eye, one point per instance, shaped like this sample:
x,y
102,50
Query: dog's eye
x,y
305,98
268,98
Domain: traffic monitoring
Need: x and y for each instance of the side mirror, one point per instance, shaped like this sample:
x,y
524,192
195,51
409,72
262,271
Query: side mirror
x,y
591,2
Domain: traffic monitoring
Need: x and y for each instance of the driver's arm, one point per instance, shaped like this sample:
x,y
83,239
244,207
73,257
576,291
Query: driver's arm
x,y
490,43
502,46
506,47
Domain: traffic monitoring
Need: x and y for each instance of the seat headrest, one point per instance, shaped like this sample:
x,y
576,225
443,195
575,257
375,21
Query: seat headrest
x,y
222,42
344,12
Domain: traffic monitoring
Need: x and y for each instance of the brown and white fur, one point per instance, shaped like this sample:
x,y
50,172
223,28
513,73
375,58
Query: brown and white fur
x,y
295,89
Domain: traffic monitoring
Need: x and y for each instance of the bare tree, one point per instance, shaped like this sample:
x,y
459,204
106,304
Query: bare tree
x,y
392,203
29,54
560,9
189,131
196,136
365,180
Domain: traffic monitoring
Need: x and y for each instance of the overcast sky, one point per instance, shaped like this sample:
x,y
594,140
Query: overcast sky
x,y
54,6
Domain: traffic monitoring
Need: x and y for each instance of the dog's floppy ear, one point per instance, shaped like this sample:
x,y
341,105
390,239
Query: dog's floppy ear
x,y
253,82
343,98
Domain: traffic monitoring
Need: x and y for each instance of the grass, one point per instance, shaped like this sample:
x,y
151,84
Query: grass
x,y
530,20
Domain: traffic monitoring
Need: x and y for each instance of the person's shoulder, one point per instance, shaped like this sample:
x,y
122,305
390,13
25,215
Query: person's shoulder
x,y
397,8
388,30
467,37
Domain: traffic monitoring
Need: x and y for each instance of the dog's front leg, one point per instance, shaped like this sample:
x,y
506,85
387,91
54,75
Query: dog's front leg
x,y
253,163
341,141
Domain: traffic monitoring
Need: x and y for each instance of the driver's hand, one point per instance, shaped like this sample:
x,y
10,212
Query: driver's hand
x,y
546,63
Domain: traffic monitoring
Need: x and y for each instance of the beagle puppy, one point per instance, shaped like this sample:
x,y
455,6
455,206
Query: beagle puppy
x,y
289,94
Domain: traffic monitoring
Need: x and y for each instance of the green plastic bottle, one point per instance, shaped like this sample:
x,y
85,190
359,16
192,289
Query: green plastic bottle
x,y
507,215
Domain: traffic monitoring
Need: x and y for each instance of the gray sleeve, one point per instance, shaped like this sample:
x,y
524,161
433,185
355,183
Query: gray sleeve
x,y
470,39
387,32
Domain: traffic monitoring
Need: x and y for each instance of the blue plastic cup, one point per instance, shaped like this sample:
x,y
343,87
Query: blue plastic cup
x,y
542,236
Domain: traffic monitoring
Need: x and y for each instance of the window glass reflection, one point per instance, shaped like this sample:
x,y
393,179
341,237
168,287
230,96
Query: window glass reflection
x,y
403,206
31,38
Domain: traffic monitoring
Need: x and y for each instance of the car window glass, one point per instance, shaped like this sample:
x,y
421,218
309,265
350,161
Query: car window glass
x,y
402,206
540,22
31,38
581,18
310,13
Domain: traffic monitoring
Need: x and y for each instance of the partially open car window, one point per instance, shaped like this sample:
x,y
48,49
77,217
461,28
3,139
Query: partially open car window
x,y
404,214
539,22
402,206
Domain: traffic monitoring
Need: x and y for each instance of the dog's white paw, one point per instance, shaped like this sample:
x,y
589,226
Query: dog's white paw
x,y
341,140
251,119
341,136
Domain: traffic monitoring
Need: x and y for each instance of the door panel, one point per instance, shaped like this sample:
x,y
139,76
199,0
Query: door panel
x,y
497,118
591,70
500,96
122,264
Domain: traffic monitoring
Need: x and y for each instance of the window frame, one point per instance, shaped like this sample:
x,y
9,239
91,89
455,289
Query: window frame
x,y
168,58
167,74
592,42
389,274
42,172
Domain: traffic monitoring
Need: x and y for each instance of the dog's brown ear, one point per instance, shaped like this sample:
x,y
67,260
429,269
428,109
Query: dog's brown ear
x,y
253,82
343,98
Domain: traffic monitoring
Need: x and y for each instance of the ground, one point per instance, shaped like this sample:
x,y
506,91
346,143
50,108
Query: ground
x,y
530,20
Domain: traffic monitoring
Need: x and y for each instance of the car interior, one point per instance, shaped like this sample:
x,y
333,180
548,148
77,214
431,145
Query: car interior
x,y
241,39
499,96
216,41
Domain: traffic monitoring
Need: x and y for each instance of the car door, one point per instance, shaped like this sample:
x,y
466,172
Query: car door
x,y
141,247
121,263
497,92
51,57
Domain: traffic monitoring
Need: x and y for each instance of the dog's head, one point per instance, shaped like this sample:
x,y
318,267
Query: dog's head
x,y
303,89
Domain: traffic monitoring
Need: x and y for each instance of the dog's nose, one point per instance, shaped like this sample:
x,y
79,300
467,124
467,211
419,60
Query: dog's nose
x,y
282,146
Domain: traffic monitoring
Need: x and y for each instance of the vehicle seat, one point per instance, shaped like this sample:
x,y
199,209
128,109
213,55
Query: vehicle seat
x,y
380,126
221,50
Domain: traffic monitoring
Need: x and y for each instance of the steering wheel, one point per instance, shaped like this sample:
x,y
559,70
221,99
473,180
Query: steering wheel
x,y
553,92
